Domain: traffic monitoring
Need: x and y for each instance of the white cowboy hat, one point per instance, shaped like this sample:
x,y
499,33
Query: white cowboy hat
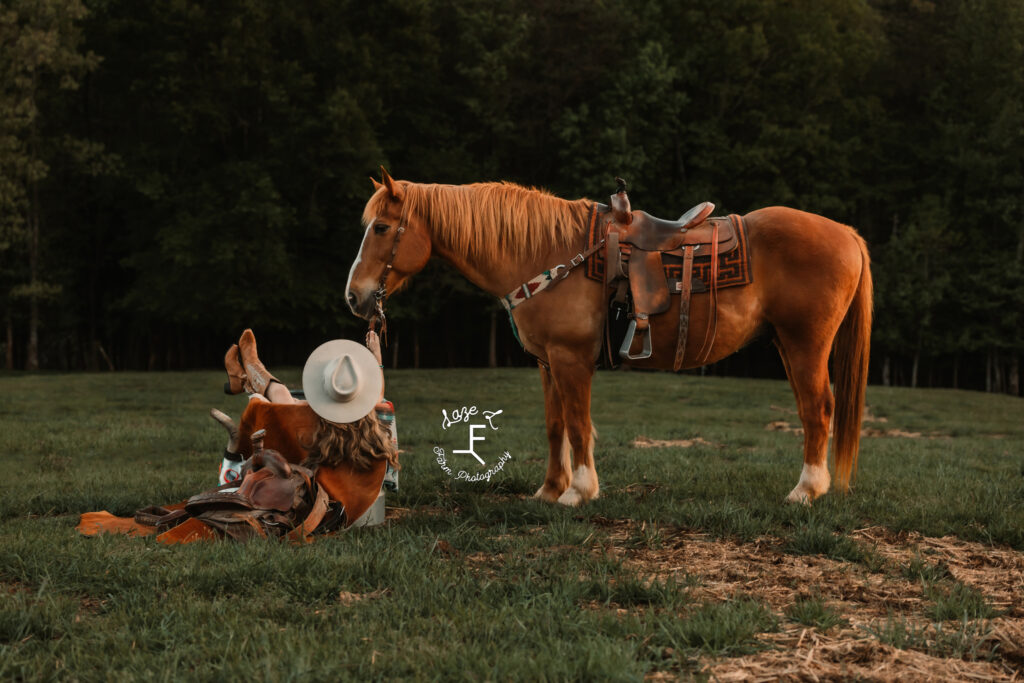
x,y
342,381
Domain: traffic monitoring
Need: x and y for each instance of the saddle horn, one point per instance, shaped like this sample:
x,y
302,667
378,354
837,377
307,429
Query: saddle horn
x,y
620,204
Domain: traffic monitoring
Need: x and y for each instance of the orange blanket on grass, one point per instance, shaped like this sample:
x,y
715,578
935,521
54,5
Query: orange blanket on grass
x,y
288,426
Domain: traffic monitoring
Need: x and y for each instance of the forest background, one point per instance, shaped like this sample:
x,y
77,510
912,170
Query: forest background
x,y
173,171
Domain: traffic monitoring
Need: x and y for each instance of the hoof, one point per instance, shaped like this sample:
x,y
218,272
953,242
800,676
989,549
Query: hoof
x,y
547,494
799,497
571,497
584,482
813,484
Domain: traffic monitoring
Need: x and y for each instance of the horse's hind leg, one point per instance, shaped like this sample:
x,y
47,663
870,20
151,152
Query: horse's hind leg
x,y
806,362
559,476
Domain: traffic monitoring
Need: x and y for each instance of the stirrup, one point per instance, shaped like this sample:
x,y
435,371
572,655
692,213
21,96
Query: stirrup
x,y
628,342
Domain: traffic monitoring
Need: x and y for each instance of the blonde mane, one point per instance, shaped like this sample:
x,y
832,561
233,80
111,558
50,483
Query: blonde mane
x,y
490,221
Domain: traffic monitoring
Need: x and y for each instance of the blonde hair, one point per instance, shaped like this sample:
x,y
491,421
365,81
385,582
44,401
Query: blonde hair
x,y
358,443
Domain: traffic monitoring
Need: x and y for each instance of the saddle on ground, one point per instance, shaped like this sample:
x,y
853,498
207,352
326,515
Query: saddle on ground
x,y
637,244
275,499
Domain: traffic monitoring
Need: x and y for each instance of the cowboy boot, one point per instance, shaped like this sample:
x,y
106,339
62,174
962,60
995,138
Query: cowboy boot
x,y
236,375
257,378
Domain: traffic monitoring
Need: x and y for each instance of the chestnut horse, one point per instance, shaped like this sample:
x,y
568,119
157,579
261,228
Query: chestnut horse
x,y
811,286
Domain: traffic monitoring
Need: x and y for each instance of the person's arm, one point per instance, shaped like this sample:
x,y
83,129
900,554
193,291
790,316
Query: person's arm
x,y
373,343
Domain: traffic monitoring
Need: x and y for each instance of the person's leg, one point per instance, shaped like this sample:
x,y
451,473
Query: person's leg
x,y
258,378
279,393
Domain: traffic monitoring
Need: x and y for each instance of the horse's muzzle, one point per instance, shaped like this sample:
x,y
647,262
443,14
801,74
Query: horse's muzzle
x,y
364,307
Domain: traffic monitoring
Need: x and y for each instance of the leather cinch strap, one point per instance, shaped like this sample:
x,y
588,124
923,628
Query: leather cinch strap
x,y
712,329
686,287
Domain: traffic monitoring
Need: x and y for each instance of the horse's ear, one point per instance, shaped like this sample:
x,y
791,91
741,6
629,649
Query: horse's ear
x,y
393,189
376,185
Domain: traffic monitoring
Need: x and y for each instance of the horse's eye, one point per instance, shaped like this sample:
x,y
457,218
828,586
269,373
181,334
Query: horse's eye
x,y
381,228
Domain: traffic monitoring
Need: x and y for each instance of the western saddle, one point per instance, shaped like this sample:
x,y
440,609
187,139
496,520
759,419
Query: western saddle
x,y
638,245
275,499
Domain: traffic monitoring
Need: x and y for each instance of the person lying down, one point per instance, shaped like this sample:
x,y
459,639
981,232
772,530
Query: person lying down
x,y
311,465
329,425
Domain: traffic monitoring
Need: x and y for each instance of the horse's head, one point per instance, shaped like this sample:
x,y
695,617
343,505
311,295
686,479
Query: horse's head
x,y
396,245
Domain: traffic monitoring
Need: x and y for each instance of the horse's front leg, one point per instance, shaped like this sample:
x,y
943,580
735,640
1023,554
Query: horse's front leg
x,y
571,375
559,476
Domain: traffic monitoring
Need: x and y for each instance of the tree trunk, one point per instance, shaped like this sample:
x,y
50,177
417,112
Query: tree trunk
x,y
1014,379
416,346
182,355
394,351
91,360
1020,242
103,352
887,372
998,381
32,350
988,372
449,340
9,351
956,371
492,346
914,368
93,353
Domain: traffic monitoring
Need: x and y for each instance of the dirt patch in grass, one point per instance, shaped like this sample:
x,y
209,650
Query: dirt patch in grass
x,y
647,442
392,513
811,657
870,619
868,415
789,428
347,599
884,630
997,572
14,588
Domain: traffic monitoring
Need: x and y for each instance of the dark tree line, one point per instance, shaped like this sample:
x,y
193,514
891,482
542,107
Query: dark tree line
x,y
173,171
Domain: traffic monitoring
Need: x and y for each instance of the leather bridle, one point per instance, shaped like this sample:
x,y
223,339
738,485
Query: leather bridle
x,y
382,289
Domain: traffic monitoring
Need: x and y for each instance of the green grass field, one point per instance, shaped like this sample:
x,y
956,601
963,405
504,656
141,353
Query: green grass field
x,y
687,565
